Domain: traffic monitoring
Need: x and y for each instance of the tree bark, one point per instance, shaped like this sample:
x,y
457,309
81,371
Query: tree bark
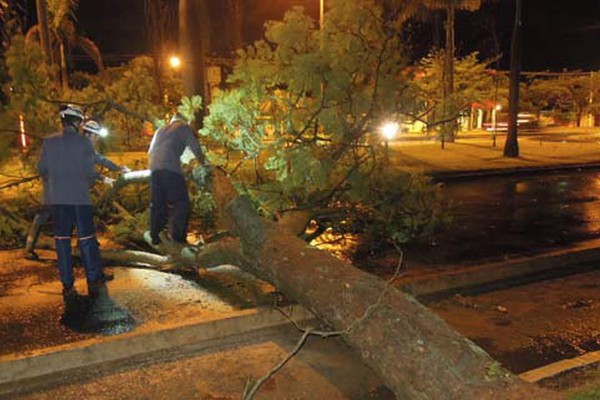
x,y
511,148
416,353
42,15
237,23
449,128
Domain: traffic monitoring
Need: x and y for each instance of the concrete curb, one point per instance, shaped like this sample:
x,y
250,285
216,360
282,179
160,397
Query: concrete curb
x,y
447,175
550,370
561,262
17,370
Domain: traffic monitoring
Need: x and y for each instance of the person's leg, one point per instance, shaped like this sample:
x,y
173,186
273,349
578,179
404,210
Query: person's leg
x,y
88,245
33,234
63,217
178,198
158,205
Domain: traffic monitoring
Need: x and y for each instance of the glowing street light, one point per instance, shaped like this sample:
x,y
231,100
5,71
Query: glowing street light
x,y
175,62
389,130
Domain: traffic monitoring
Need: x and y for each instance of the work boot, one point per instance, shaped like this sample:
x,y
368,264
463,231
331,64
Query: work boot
x,y
154,243
75,309
69,293
32,255
97,289
107,276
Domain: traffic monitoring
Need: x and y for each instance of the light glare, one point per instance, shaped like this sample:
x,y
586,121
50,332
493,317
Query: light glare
x,y
389,130
175,62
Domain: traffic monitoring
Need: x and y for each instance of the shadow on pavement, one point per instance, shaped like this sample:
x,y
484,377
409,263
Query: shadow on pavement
x,y
98,314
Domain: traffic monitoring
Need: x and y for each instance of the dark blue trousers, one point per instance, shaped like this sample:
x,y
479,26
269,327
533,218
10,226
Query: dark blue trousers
x,y
65,217
169,191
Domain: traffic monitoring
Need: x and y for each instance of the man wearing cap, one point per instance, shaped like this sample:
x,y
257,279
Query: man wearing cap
x,y
67,166
168,186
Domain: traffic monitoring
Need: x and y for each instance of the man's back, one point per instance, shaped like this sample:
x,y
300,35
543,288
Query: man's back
x,y
67,163
168,145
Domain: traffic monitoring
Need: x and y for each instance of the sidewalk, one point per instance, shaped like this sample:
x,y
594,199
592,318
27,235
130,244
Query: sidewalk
x,y
473,154
196,337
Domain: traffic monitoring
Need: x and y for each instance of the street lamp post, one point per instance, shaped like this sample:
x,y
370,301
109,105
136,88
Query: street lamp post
x,y
496,108
321,14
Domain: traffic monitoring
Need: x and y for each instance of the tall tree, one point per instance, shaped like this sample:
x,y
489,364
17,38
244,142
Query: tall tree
x,y
64,36
160,17
42,15
235,13
511,147
450,7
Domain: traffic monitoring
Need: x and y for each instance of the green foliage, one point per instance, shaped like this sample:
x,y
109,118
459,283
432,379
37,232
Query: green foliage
x,y
565,94
474,82
31,86
131,228
405,207
589,393
305,109
189,106
60,11
12,228
123,98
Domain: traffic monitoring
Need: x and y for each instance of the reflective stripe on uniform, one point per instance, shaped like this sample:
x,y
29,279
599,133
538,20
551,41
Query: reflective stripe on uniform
x,y
87,237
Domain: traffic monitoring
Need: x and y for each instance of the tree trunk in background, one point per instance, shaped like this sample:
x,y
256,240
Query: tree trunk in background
x,y
64,77
511,148
237,23
160,17
194,42
448,128
42,15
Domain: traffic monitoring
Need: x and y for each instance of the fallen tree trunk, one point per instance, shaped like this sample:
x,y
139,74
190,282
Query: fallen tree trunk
x,y
416,353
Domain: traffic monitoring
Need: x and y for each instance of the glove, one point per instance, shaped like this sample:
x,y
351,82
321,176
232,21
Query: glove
x,y
202,176
108,181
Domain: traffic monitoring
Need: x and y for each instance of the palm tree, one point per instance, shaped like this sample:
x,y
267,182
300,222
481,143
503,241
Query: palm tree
x,y
64,36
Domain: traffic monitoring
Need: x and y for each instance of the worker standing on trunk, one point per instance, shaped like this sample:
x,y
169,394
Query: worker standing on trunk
x,y
168,186
67,166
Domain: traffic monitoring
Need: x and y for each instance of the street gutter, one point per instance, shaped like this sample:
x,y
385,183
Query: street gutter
x,y
446,175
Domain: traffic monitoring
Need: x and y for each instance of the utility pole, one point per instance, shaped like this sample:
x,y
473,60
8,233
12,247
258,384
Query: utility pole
x,y
42,15
237,23
511,148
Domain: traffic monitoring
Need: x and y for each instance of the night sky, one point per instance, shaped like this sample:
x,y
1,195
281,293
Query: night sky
x,y
558,34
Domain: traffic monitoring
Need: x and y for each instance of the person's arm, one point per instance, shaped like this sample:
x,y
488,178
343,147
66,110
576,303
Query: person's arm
x,y
153,141
191,141
43,163
90,158
105,162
